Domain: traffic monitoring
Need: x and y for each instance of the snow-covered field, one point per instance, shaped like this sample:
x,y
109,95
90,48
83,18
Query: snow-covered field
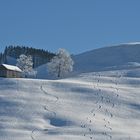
x,y
98,106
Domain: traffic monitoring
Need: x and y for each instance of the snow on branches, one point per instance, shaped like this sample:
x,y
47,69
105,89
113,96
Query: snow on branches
x,y
61,64
25,63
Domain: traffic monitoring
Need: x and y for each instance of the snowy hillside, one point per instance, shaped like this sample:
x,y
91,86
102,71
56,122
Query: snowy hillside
x,y
102,105
99,106
124,56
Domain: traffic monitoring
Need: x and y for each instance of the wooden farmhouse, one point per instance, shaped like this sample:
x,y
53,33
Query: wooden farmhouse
x,y
10,71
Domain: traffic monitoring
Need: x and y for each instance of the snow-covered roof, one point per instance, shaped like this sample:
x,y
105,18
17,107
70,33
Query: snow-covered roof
x,y
11,67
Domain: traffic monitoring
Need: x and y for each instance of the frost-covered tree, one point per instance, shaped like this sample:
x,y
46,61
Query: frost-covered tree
x,y
25,63
61,64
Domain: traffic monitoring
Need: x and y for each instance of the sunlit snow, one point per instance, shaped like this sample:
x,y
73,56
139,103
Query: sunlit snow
x,y
99,106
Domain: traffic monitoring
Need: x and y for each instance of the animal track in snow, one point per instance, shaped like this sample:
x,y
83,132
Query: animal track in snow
x,y
54,99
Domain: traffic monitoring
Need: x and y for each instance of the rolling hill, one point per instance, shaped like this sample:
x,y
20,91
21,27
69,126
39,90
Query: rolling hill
x,y
100,102
123,56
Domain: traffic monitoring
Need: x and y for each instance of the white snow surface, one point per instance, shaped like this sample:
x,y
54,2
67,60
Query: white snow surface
x,y
98,106
11,67
108,58
132,43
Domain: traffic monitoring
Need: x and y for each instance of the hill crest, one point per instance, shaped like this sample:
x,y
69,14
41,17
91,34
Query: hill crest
x,y
107,58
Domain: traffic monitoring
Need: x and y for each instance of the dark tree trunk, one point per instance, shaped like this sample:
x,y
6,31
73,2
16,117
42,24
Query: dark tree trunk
x,y
59,70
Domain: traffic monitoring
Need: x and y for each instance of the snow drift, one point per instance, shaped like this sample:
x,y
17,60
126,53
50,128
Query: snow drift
x,y
90,106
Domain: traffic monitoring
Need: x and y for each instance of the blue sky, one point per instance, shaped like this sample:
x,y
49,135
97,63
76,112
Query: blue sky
x,y
76,25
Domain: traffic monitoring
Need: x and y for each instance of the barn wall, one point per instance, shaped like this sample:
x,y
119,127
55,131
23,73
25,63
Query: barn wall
x,y
13,74
9,73
2,71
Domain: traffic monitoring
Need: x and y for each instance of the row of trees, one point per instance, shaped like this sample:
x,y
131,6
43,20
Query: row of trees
x,y
59,66
39,56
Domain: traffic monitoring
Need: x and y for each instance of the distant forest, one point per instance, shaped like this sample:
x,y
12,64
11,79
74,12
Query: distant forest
x,y
39,56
